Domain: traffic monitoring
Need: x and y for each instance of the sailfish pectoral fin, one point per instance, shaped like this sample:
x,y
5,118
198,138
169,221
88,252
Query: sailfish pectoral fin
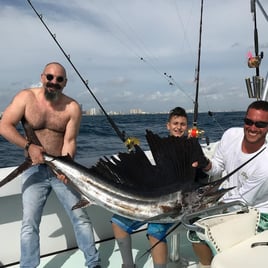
x,y
16,172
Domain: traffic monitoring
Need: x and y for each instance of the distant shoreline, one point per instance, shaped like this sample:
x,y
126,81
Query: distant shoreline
x,y
144,113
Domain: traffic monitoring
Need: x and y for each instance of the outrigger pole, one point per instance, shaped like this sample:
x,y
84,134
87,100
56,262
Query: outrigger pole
x,y
264,95
128,141
262,10
194,131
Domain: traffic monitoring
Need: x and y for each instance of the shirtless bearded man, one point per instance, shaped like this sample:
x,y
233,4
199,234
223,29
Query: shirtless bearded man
x,y
55,119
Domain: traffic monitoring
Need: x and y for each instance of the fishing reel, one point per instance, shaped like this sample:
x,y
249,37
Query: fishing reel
x,y
255,87
254,62
195,132
130,142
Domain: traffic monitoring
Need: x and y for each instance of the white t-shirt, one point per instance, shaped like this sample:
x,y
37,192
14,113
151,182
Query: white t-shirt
x,y
251,180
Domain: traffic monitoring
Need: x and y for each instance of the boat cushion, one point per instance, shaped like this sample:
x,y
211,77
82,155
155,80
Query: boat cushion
x,y
226,230
243,255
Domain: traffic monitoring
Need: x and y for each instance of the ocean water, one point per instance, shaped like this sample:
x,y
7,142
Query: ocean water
x,y
97,138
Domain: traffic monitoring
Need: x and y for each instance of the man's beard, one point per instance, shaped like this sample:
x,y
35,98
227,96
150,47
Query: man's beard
x,y
52,95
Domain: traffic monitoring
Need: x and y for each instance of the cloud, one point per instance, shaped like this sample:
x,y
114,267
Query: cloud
x,y
125,48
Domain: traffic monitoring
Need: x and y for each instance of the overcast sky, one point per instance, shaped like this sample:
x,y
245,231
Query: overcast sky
x,y
134,53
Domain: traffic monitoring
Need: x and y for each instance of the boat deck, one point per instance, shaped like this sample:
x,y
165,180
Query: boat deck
x,y
110,255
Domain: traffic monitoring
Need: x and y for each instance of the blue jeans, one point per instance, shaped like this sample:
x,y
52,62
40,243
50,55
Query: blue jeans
x,y
37,183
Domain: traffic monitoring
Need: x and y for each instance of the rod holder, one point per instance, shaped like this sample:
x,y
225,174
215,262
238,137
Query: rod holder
x,y
257,90
265,91
257,86
175,247
249,88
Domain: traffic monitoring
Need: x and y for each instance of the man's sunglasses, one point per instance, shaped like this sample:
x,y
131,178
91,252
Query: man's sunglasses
x,y
258,124
50,77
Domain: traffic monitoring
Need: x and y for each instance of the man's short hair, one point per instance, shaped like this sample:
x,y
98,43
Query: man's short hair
x,y
259,105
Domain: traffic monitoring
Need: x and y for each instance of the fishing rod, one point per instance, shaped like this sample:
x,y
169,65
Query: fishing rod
x,y
255,61
256,38
194,131
128,141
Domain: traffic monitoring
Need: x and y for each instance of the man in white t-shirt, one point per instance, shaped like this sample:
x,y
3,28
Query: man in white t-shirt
x,y
238,145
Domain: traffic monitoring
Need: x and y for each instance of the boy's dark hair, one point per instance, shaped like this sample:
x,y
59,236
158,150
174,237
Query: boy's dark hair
x,y
259,105
177,111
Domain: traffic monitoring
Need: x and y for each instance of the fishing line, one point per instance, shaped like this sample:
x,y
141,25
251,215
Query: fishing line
x,y
210,113
141,49
121,134
169,78
145,60
177,8
162,238
173,82
133,38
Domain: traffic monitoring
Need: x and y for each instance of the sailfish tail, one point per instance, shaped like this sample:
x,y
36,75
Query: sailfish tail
x,y
17,171
28,162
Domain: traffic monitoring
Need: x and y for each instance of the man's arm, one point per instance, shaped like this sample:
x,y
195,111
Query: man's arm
x,y
208,167
72,130
11,117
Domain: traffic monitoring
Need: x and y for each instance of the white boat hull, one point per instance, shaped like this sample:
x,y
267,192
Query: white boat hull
x,y
56,231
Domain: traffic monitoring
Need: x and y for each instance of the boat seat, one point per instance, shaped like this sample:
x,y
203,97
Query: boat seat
x,y
234,239
222,232
246,254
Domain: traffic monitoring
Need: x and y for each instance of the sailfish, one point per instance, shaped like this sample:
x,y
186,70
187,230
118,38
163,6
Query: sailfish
x,y
161,189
